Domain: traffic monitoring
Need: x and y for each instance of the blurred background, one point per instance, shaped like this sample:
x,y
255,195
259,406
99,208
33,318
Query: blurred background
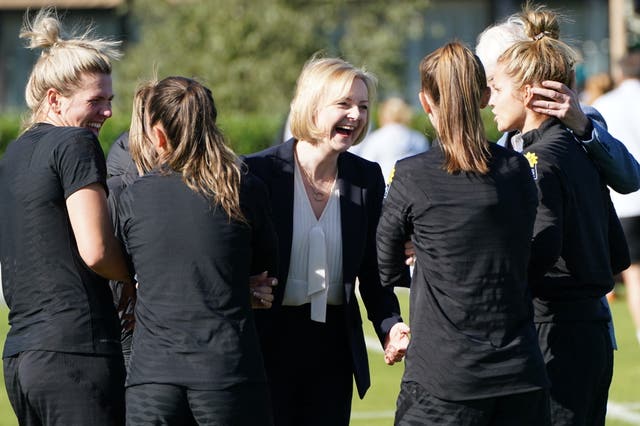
x,y
249,52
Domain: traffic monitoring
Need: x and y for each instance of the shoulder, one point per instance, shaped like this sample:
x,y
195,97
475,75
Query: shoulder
x,y
350,164
277,157
421,160
69,135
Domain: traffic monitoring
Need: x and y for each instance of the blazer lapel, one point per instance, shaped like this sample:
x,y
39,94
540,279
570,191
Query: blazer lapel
x,y
282,202
352,220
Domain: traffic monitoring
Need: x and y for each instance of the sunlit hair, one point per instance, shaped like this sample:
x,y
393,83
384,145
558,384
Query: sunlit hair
x,y
64,58
394,110
542,56
323,81
454,81
496,39
196,147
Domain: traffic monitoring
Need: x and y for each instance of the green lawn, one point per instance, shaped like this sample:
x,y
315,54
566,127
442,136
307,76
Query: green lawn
x,y
624,396
378,406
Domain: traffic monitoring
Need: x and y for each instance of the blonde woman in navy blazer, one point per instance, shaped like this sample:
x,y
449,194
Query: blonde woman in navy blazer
x,y
326,204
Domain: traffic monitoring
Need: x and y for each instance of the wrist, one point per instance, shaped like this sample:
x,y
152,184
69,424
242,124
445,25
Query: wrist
x,y
585,132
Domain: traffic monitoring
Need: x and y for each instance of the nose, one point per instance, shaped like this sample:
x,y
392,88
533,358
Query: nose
x,y
491,102
107,111
354,112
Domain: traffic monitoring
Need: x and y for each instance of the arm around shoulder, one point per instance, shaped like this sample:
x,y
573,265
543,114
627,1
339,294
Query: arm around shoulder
x,y
619,168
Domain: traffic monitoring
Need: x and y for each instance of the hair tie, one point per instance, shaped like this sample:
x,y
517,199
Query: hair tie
x,y
539,36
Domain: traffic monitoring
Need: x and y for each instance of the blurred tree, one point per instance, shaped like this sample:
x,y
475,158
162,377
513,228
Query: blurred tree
x,y
249,52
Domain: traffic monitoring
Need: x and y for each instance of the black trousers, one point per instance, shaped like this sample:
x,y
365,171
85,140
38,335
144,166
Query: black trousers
x,y
309,369
579,360
416,407
165,404
56,388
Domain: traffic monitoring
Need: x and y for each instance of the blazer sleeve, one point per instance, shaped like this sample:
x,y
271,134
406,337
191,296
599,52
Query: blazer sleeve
x,y
618,167
383,309
264,243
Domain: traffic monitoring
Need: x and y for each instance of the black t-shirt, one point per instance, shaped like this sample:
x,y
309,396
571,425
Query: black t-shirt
x,y
194,324
56,302
472,331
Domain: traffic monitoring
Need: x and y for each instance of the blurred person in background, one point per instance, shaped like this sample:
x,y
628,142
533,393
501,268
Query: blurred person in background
x,y
394,139
595,86
62,357
620,108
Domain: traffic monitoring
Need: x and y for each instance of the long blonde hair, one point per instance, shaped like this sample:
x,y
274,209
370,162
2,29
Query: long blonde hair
x,y
64,59
196,146
454,80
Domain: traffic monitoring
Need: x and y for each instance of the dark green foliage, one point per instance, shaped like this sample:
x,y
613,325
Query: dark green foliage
x,y
250,52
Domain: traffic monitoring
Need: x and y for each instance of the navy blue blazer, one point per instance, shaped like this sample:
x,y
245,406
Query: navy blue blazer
x,y
361,188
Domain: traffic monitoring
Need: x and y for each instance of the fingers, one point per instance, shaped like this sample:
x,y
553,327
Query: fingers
x,y
556,86
393,354
262,297
546,93
262,279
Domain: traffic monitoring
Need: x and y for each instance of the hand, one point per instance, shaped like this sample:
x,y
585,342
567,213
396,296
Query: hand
x,y
261,287
410,253
126,304
557,100
396,343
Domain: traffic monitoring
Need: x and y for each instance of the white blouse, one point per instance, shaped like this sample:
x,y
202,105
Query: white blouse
x,y
315,267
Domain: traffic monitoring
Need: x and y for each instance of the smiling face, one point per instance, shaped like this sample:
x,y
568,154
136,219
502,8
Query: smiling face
x,y
507,103
88,106
344,119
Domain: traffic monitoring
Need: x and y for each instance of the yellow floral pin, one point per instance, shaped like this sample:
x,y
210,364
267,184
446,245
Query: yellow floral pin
x,y
533,163
532,157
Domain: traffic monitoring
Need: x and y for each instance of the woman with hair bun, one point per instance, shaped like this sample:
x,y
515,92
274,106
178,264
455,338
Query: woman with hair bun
x,y
196,227
570,268
62,357
469,207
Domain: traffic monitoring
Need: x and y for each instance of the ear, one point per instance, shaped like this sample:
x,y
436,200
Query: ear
x,y
527,94
424,101
484,99
159,139
53,100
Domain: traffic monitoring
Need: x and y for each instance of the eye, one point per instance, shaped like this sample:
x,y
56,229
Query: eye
x,y
364,107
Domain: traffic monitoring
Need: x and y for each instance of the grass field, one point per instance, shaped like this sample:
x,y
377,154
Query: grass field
x,y
378,406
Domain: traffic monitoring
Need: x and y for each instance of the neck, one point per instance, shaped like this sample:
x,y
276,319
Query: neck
x,y
318,163
533,120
